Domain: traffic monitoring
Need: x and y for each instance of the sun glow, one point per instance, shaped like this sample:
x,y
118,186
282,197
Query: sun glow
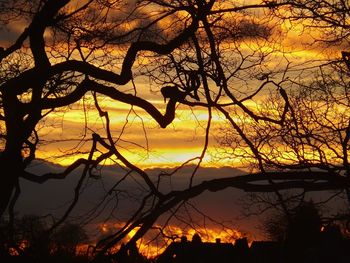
x,y
154,243
137,135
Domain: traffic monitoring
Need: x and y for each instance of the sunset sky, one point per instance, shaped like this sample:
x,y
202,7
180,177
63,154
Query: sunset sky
x,y
65,135
141,139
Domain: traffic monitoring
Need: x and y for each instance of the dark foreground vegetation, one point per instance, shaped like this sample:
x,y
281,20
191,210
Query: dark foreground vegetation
x,y
330,247
304,239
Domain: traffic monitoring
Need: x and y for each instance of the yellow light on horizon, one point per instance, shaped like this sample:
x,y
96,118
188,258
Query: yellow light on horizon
x,y
150,249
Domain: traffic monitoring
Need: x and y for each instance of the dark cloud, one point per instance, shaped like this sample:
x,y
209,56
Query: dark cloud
x,y
54,196
250,29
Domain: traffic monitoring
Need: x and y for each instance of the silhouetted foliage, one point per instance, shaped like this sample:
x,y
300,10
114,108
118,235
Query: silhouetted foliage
x,y
68,237
330,246
30,240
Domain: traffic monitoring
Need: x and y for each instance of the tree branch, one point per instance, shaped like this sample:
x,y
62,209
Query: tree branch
x,y
90,85
58,176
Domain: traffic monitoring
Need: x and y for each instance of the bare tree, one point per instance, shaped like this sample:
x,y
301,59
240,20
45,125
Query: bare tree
x,y
63,54
212,55
57,64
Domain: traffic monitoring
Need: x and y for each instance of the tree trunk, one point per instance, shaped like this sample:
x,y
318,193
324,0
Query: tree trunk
x,y
11,167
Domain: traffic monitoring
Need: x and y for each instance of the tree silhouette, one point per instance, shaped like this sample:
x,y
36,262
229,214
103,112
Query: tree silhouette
x,y
71,52
305,226
315,134
58,82
67,238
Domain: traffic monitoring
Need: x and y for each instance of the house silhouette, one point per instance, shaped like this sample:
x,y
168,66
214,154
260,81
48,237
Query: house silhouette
x,y
265,252
204,252
331,248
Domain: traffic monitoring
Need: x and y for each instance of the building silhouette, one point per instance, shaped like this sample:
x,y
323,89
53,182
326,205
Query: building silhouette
x,y
197,251
332,247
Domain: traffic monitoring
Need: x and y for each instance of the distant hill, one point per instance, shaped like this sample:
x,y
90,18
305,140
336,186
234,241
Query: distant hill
x,y
54,195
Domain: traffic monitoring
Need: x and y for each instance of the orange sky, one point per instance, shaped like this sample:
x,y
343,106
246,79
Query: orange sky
x,y
141,139
180,141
